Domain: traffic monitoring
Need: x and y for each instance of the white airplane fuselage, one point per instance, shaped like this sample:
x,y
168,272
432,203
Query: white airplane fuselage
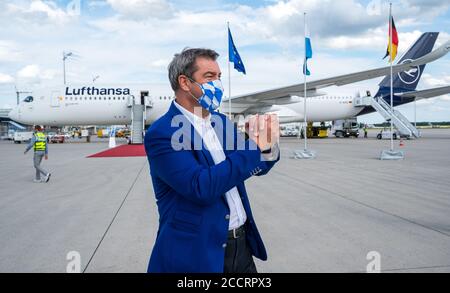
x,y
103,105
91,106
318,109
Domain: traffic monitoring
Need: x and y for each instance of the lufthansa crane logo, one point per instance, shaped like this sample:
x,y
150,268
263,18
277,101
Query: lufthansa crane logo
x,y
410,76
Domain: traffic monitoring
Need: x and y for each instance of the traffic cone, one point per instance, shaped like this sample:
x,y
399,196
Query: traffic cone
x,y
401,142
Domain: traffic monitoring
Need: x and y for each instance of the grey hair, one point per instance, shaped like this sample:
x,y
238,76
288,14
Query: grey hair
x,y
184,63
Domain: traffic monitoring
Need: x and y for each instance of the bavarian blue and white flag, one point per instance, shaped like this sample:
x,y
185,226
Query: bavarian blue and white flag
x,y
308,52
233,54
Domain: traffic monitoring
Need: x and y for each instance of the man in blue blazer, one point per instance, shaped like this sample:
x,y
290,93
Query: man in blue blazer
x,y
198,164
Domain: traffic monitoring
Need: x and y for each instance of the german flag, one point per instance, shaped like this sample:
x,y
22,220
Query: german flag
x,y
393,52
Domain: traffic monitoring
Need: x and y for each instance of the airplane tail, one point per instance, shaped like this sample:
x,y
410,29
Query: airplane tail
x,y
408,80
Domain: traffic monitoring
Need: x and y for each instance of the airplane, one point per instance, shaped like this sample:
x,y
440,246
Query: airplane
x,y
322,107
89,105
111,105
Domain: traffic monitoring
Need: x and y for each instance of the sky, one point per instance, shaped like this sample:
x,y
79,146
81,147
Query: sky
x,y
133,41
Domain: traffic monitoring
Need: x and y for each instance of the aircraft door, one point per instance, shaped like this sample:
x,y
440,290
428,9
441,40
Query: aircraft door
x,y
56,98
145,98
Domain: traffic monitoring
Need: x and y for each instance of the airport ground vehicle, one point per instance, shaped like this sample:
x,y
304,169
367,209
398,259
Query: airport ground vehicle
x,y
22,136
385,133
123,133
289,130
50,135
57,138
9,135
77,133
315,131
346,128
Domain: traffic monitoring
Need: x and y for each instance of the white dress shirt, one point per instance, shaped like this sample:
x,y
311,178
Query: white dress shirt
x,y
213,145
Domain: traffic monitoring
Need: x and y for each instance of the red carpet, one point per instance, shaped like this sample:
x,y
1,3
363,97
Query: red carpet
x,y
127,150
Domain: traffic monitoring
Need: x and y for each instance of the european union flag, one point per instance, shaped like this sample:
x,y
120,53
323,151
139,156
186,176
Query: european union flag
x,y
233,54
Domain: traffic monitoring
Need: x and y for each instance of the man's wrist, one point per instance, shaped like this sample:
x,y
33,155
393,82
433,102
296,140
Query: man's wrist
x,y
271,154
266,151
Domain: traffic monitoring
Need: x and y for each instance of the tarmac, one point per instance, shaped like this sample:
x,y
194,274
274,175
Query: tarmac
x,y
320,215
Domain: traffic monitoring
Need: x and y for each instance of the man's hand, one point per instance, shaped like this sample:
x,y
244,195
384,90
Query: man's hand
x,y
46,157
264,130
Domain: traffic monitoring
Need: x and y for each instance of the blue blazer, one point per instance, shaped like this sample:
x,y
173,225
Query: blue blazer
x,y
190,192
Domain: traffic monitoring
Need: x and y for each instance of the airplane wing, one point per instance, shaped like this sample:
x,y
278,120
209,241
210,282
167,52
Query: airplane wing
x,y
284,95
425,94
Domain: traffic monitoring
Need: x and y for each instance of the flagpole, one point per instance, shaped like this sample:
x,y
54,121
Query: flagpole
x,y
305,133
391,154
392,82
229,73
305,153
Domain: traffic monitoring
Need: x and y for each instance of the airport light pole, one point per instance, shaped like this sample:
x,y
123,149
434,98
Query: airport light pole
x,y
65,56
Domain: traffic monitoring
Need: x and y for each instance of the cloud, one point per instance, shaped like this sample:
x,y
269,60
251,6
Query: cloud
x,y
445,98
9,52
325,19
332,19
280,23
434,81
142,9
97,4
344,24
30,71
372,40
36,11
430,8
49,9
161,63
423,102
443,38
6,78
34,74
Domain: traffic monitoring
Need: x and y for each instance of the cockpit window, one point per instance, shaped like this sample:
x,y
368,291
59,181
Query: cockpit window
x,y
28,99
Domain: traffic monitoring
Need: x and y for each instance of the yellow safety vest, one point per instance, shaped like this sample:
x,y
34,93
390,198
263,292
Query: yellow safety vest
x,y
41,142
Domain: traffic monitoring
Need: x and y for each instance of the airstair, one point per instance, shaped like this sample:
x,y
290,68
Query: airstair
x,y
137,124
138,115
17,125
400,122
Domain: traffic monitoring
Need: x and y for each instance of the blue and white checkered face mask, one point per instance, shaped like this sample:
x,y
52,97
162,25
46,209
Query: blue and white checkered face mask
x,y
212,94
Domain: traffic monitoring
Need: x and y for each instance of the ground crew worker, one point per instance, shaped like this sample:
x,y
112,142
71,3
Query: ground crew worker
x,y
39,144
365,131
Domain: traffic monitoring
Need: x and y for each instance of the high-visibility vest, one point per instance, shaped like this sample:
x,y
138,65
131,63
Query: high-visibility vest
x,y
41,142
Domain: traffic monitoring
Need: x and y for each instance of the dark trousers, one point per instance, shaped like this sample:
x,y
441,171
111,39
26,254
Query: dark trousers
x,y
238,256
